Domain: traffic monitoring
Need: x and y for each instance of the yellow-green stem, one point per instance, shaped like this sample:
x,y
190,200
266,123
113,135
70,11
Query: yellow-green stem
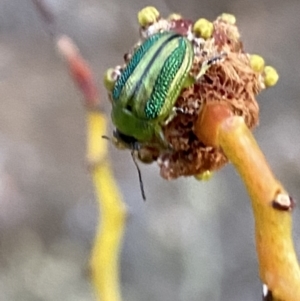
x,y
104,261
279,268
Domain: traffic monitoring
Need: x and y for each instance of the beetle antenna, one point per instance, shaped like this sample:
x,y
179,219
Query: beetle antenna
x,y
133,149
140,175
207,64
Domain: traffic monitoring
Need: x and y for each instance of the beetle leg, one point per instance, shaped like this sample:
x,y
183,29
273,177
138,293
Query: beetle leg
x,y
161,138
173,114
208,63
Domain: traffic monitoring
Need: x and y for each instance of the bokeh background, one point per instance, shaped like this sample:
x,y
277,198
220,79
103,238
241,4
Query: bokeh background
x,y
190,240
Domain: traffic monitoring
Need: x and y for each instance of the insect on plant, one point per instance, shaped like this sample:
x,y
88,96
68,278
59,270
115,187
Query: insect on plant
x,y
145,90
192,118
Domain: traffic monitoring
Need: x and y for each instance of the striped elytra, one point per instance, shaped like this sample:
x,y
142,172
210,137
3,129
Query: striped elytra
x,y
152,80
136,58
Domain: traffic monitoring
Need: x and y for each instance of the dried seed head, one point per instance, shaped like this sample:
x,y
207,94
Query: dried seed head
x,y
235,81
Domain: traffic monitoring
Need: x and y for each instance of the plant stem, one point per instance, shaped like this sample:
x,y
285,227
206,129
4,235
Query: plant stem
x,y
104,261
278,265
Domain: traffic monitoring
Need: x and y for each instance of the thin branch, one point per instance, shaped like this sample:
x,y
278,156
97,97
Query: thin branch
x,y
112,211
104,260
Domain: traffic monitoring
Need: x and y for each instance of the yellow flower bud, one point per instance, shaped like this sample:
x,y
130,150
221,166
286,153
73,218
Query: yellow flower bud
x,y
228,18
203,28
205,176
257,63
271,76
148,16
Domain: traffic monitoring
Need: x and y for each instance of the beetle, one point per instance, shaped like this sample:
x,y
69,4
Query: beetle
x,y
144,93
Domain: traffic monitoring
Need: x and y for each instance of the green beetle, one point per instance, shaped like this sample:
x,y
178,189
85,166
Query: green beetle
x,y
144,94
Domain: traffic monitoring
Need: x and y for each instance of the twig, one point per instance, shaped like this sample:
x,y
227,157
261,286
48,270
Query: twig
x,y
112,212
104,260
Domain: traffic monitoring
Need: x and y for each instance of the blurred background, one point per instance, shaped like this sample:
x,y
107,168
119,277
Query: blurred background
x,y
190,240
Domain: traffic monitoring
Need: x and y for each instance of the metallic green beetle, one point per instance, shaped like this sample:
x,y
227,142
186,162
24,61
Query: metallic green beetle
x,y
144,95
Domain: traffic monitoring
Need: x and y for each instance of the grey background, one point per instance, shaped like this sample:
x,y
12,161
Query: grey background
x,y
189,241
